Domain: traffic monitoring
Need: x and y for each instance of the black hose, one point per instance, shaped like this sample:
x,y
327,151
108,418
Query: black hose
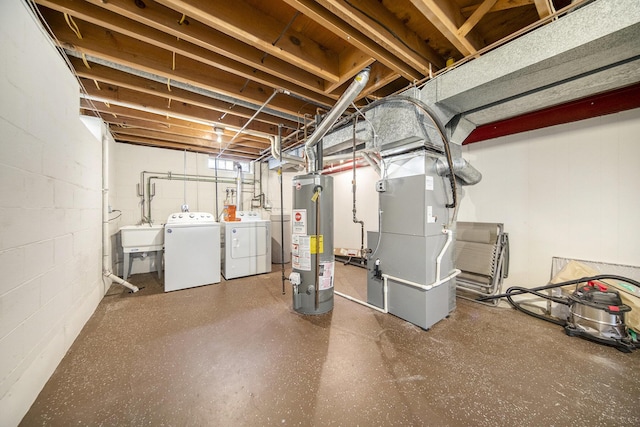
x,y
569,282
518,290
441,130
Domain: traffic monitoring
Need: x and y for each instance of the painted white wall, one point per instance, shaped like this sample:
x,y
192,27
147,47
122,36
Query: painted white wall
x,y
50,212
564,191
346,232
170,195
569,191
271,189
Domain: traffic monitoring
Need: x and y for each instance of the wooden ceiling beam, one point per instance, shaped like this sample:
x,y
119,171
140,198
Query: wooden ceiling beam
x,y
384,28
447,18
140,140
116,111
167,137
168,20
129,139
209,135
331,22
118,78
137,55
163,144
498,6
475,17
311,88
544,8
241,21
117,114
161,105
353,61
379,76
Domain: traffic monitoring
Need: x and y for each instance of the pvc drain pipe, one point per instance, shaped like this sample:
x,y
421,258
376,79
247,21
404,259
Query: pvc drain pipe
x,y
106,271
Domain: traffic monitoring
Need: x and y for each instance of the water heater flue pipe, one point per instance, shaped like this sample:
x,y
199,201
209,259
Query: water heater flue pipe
x,y
276,152
332,116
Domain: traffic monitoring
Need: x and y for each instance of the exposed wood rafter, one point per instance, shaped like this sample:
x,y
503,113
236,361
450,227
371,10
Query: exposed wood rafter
x,y
165,72
447,18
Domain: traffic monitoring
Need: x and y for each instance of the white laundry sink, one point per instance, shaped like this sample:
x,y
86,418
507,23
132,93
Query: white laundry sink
x,y
142,238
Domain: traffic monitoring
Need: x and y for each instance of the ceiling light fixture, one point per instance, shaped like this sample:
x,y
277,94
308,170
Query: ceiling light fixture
x,y
219,132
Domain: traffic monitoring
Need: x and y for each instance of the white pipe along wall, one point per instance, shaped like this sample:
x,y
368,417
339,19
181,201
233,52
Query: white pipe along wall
x,y
106,238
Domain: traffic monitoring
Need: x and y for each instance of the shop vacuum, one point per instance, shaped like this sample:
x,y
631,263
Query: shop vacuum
x,y
596,311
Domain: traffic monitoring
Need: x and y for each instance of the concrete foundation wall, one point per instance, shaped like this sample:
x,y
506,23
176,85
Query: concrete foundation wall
x,y
50,212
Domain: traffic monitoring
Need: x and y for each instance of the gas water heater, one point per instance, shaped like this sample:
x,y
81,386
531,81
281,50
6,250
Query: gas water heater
x,y
312,261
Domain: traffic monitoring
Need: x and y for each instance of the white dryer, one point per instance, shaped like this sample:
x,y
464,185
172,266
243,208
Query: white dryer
x,y
246,245
191,250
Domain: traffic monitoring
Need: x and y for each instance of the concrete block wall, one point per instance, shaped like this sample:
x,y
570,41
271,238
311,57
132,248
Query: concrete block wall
x,y
50,212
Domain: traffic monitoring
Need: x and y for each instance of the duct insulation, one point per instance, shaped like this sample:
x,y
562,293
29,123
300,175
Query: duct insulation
x,y
313,263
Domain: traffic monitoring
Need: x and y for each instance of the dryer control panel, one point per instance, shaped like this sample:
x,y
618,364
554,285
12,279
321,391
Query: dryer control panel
x,y
248,216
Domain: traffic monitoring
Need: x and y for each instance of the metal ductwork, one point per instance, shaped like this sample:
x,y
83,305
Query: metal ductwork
x,y
593,49
466,174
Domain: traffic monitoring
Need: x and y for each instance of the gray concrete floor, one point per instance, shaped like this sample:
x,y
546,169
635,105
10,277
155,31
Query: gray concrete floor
x,y
235,354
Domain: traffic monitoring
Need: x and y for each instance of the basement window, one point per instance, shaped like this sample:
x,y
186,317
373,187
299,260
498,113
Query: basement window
x,y
227,165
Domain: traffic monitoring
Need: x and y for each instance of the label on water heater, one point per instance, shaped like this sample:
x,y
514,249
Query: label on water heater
x,y
301,252
316,245
325,275
299,225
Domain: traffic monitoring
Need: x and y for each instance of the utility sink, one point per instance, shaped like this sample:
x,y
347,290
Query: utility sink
x,y
142,238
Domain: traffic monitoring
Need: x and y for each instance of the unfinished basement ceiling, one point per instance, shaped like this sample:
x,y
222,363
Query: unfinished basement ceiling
x,y
189,74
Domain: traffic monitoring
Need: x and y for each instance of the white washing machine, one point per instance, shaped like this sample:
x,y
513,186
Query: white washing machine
x,y
191,250
246,245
